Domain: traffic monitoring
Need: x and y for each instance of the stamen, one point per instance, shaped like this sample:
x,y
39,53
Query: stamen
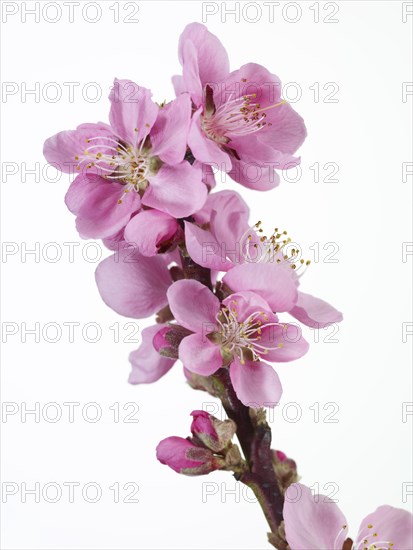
x,y
117,161
236,117
370,541
239,337
276,248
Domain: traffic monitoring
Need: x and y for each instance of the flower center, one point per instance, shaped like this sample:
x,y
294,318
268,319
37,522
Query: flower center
x,y
236,118
370,540
119,161
278,248
243,339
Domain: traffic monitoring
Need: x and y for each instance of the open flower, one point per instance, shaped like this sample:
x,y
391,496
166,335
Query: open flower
x,y
237,334
318,523
240,124
137,161
221,239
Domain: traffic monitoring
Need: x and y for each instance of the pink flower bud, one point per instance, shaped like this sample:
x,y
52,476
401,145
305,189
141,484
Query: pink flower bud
x,y
285,469
213,433
167,340
159,340
186,458
280,455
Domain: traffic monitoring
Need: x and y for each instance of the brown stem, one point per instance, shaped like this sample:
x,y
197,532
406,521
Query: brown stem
x,y
192,270
253,432
254,435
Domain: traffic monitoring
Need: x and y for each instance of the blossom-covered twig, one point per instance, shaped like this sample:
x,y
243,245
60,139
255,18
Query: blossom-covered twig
x,y
220,288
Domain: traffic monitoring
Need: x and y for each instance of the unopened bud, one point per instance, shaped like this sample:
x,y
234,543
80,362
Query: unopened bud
x,y
186,458
285,470
166,341
213,433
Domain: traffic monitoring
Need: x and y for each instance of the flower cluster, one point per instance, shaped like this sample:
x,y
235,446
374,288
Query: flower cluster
x,y
227,298
317,522
144,187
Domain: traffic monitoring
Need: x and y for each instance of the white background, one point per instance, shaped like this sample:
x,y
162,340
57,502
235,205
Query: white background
x,y
367,372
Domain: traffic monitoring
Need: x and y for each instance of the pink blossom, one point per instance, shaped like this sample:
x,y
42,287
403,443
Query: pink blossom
x,y
238,334
240,124
136,161
254,262
186,458
212,433
312,522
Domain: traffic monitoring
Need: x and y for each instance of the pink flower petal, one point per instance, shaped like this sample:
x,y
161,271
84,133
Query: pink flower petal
x,y
256,383
314,312
284,130
274,282
202,424
223,202
227,215
312,522
245,303
62,149
133,113
208,175
95,202
149,229
172,451
193,305
147,365
176,190
199,355
203,59
251,148
391,525
249,79
287,131
229,221
133,285
254,175
179,85
289,337
191,81
204,149
170,131
204,248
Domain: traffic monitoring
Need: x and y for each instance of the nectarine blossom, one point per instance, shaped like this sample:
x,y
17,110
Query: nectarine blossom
x,y
237,334
137,161
240,124
312,522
